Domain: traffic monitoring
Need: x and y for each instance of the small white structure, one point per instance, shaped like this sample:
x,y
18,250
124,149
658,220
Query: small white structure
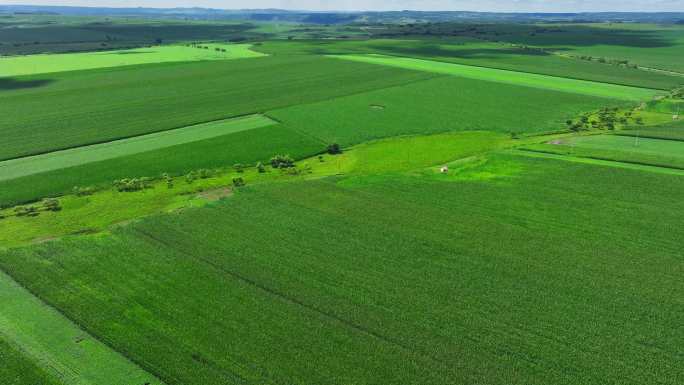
x,y
444,169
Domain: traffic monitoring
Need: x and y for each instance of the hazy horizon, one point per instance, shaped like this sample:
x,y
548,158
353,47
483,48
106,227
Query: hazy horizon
x,y
388,5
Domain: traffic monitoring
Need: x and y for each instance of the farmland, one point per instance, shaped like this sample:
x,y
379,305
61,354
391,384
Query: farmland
x,y
46,114
649,151
475,52
194,198
453,275
508,77
438,105
77,156
40,64
17,369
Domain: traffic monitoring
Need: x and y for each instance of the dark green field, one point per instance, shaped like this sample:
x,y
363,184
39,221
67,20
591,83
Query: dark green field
x,y
502,279
438,105
42,114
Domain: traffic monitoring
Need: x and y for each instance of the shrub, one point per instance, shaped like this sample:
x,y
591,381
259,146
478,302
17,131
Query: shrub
x,y
205,173
334,149
238,182
26,211
83,191
282,161
51,204
131,185
260,167
239,168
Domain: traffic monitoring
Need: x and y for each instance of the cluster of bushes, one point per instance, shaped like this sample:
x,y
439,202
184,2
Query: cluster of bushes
x,y
606,118
282,162
83,191
199,174
49,204
199,46
131,185
603,60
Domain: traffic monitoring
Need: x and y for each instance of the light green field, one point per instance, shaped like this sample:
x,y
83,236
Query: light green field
x,y
59,346
648,146
39,64
555,83
16,168
625,149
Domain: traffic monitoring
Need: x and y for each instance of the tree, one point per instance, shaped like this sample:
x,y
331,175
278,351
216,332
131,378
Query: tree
x,y
52,204
282,161
238,182
260,167
334,149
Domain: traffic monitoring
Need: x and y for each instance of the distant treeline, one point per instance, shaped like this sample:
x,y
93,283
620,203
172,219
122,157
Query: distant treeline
x,y
349,17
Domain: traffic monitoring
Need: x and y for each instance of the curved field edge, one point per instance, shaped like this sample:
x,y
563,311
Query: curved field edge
x,y
62,349
16,168
51,63
526,79
108,208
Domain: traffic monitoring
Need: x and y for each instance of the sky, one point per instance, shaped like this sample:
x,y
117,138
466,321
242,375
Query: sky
x,y
384,5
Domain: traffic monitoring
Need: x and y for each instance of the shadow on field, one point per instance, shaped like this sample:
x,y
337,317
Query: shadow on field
x,y
583,36
8,84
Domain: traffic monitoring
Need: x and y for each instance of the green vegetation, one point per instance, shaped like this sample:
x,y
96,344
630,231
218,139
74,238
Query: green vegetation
x,y
438,105
71,354
72,109
15,168
248,147
17,369
40,64
672,131
467,242
510,77
370,203
654,152
476,52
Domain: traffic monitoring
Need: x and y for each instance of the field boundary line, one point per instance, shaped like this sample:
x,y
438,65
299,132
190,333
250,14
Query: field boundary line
x,y
599,161
286,298
76,156
60,345
527,79
509,70
120,138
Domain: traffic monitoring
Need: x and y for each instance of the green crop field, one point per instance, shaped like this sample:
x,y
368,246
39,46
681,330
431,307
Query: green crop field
x,y
438,105
510,77
443,282
16,168
656,46
40,64
673,131
17,369
46,114
248,147
621,148
253,197
470,51
73,356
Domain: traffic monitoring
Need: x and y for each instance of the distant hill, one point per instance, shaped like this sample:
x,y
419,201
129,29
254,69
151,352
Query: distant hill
x,y
348,17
